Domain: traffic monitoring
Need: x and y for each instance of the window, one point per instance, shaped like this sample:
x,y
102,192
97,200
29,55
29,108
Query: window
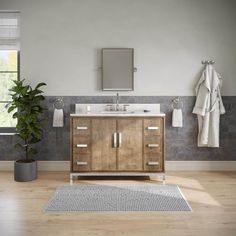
x,y
9,64
8,73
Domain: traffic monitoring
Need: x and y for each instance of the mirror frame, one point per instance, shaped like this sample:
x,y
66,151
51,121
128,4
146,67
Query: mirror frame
x,y
133,70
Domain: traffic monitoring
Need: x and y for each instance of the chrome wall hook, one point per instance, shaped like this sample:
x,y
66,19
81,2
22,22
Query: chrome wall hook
x,y
208,62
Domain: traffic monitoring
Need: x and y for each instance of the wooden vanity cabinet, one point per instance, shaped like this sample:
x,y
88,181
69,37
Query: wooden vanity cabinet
x,y
117,144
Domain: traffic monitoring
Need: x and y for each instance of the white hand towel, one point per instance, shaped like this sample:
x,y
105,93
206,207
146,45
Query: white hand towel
x,y
58,118
177,118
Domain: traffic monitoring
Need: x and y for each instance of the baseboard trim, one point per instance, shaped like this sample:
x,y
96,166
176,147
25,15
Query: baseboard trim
x,y
42,165
170,165
201,165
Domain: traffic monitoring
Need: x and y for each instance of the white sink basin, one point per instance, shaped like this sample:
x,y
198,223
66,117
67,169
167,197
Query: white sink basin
x,y
117,112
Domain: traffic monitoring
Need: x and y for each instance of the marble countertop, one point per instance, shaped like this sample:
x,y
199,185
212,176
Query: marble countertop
x,y
118,114
133,110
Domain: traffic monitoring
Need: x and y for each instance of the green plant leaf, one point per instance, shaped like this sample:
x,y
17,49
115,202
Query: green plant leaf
x,y
19,146
10,109
40,85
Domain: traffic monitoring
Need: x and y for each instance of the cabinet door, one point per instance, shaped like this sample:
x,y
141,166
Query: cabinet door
x,y
130,151
103,150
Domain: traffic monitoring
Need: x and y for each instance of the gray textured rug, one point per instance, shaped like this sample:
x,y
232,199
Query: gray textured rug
x,y
118,198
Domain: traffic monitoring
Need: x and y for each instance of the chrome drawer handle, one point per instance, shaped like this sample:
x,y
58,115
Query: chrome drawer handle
x,y
153,145
152,128
82,145
115,140
120,139
82,163
81,127
153,163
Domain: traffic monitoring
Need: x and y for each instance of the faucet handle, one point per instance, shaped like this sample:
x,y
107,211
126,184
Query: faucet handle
x,y
125,107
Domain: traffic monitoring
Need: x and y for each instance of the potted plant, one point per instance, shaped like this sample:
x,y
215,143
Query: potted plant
x,y
26,106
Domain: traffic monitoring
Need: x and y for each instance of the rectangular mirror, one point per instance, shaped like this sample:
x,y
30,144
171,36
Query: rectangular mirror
x,y
118,69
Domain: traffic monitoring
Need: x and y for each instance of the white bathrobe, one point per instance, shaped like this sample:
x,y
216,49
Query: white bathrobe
x,y
208,107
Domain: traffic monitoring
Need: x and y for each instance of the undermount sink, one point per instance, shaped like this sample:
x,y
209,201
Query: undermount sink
x,y
117,112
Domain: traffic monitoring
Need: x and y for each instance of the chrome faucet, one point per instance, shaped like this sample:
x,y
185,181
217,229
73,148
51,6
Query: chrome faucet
x,y
116,106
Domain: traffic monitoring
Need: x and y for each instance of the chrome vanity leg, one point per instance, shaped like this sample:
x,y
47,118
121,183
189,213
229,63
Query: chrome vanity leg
x,y
71,179
163,179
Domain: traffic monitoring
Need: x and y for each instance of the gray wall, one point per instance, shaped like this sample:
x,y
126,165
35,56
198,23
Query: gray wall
x,y
181,143
61,42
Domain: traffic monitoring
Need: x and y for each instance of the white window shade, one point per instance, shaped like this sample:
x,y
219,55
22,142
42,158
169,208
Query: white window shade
x,y
9,31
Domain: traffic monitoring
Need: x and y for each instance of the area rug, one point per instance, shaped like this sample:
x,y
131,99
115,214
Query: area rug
x,y
100,198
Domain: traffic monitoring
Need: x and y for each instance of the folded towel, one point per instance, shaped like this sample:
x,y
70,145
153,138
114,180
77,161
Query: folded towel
x,y
58,118
177,119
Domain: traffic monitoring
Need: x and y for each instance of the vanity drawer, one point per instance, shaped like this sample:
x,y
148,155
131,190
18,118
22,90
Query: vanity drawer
x,y
153,162
152,144
152,126
81,144
81,126
81,162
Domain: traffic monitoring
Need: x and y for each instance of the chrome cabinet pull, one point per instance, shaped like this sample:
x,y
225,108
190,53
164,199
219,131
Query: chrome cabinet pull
x,y
152,145
153,163
120,139
152,128
114,140
82,163
82,145
81,127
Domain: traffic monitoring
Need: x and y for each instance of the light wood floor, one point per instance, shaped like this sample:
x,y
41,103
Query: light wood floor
x,y
212,196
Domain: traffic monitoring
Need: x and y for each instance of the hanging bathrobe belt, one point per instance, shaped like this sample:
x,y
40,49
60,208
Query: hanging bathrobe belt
x,y
213,107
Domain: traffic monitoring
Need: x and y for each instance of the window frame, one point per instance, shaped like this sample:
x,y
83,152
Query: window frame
x,y
11,130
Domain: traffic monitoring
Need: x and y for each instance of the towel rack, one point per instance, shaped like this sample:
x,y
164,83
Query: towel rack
x,y
177,103
208,62
58,103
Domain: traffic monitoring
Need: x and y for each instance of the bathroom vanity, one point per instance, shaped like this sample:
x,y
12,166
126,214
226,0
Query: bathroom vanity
x,y
117,143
